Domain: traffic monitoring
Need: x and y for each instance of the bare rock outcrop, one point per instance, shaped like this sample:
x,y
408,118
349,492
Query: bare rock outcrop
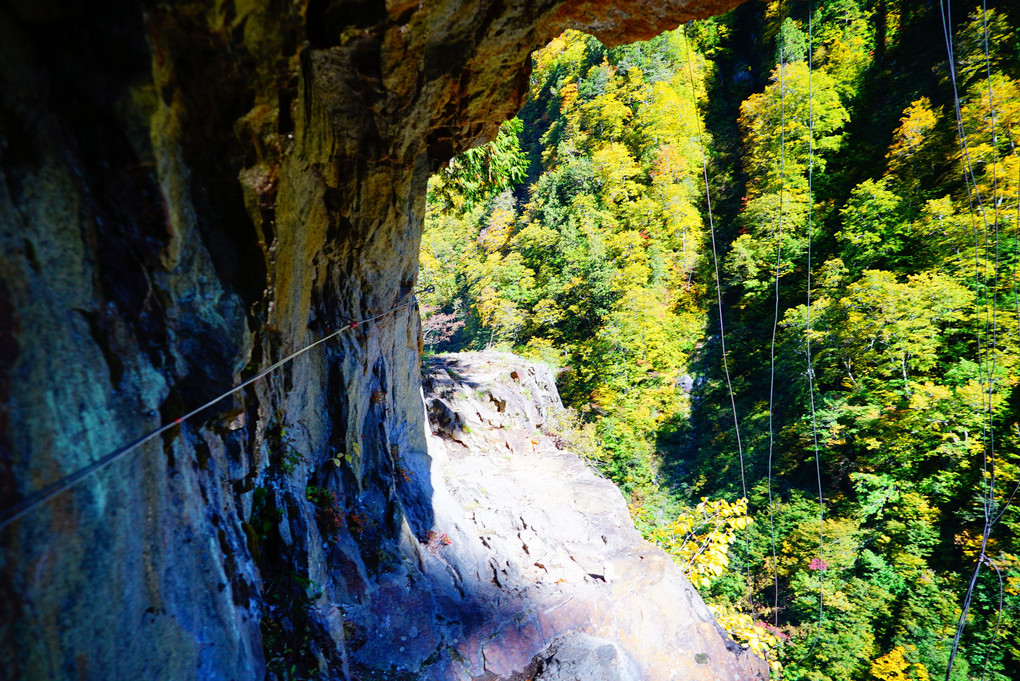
x,y
539,572
189,192
539,553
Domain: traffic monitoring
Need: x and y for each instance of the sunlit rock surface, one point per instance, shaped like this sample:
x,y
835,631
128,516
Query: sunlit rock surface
x,y
189,192
540,572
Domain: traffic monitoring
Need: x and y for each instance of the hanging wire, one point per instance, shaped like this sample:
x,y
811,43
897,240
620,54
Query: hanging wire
x,y
998,617
718,291
991,332
807,335
994,347
970,181
1016,305
986,363
775,326
13,513
995,232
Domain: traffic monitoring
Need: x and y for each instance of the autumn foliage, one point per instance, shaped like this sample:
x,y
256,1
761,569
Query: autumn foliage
x,y
582,238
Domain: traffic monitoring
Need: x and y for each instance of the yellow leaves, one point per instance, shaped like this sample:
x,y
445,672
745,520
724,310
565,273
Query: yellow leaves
x,y
871,443
700,537
669,166
908,562
893,328
846,58
928,394
894,666
545,56
801,547
891,667
762,119
992,116
542,350
627,248
834,436
991,121
497,234
970,542
547,313
607,116
568,97
1009,564
642,325
839,601
758,636
918,121
535,236
973,396
568,47
670,121
571,114
498,313
615,170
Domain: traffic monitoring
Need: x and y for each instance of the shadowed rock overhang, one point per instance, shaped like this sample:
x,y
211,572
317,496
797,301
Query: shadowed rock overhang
x,y
188,192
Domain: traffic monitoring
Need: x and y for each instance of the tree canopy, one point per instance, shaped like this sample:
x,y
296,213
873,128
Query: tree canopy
x,y
842,171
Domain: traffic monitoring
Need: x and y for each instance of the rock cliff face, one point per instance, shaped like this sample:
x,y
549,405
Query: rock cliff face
x,y
190,191
540,572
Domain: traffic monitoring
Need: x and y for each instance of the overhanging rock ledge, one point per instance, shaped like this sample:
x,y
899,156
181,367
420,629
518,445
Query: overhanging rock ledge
x,y
188,192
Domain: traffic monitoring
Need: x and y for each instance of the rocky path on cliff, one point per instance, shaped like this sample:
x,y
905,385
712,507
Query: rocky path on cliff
x,y
534,568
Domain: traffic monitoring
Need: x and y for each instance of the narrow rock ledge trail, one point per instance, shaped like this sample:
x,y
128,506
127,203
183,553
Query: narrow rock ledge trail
x,y
535,569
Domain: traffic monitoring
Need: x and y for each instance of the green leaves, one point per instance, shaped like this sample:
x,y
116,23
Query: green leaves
x,y
875,229
480,173
776,125
579,237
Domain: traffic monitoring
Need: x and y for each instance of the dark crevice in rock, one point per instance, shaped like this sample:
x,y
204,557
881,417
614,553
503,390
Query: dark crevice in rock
x,y
327,20
10,330
19,153
212,95
100,335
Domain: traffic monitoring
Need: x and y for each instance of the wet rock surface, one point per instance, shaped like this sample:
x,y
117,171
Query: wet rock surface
x,y
189,192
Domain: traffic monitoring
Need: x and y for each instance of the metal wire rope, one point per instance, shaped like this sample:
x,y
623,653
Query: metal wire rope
x,y
974,196
775,326
807,335
13,513
718,291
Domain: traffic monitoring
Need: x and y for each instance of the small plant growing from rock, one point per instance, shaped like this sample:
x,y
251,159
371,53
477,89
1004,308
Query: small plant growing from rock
x,y
358,523
347,456
435,540
289,461
328,513
264,519
385,559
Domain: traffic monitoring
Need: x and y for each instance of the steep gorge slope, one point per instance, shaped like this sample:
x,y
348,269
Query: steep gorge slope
x,y
561,584
190,192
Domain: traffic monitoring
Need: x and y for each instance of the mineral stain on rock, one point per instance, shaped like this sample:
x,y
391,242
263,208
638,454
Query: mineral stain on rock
x,y
199,189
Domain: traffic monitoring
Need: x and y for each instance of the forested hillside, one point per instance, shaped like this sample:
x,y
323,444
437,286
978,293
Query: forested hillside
x,y
804,377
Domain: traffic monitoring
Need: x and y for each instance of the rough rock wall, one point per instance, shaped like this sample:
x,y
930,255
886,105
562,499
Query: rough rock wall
x,y
561,584
188,192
